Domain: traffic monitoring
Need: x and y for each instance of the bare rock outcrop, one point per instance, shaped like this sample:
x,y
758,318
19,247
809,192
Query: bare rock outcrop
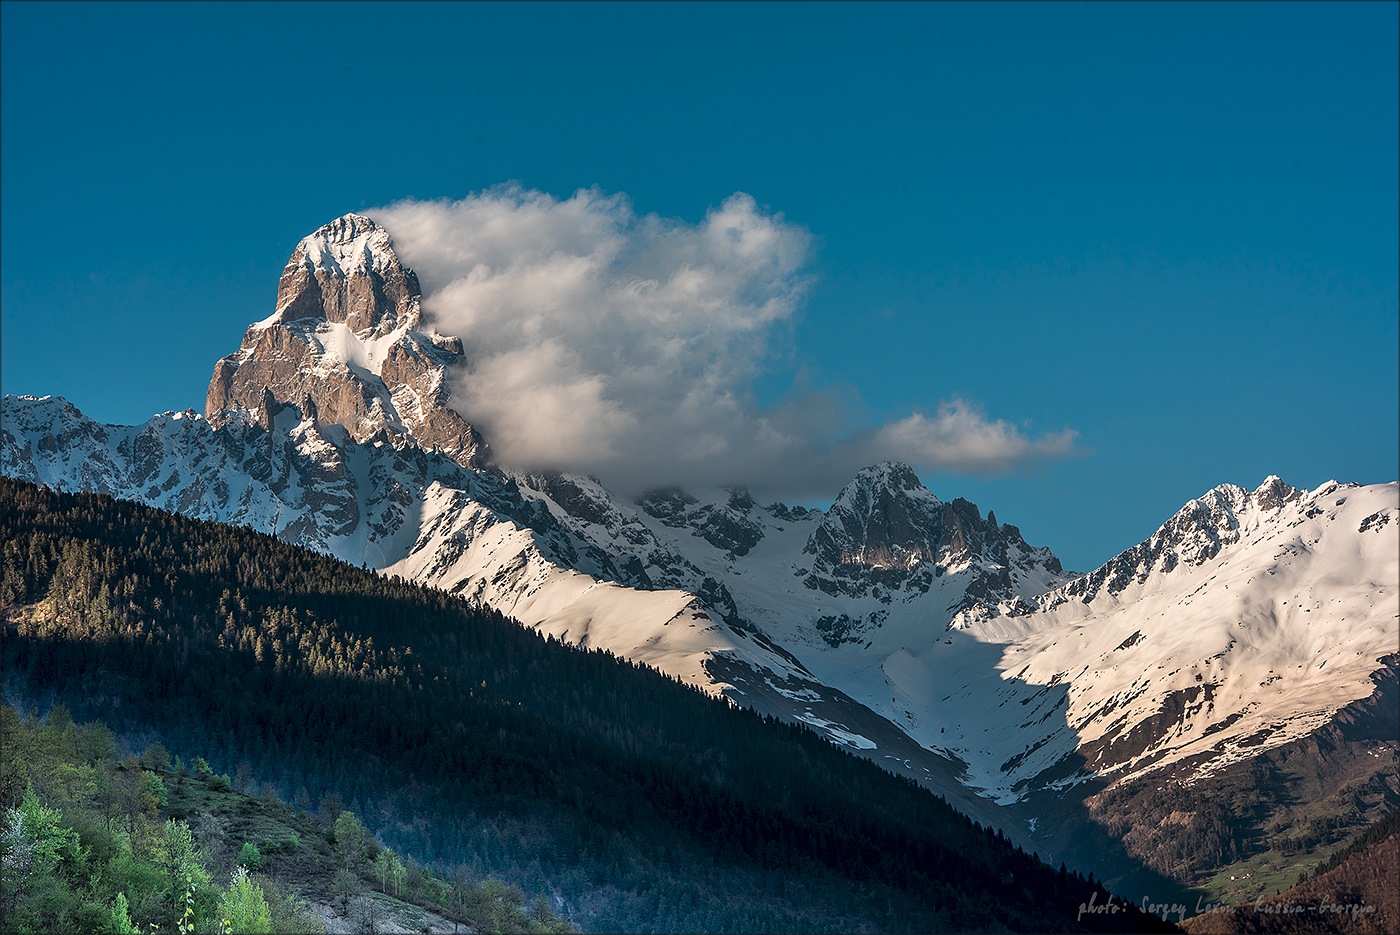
x,y
348,335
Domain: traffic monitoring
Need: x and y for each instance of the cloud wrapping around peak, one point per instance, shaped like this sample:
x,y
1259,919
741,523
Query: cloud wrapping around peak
x,y
626,346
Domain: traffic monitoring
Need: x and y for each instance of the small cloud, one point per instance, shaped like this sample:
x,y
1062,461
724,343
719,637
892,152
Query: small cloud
x,y
962,439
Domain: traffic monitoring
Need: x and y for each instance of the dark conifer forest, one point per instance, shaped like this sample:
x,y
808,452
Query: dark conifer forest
x,y
467,741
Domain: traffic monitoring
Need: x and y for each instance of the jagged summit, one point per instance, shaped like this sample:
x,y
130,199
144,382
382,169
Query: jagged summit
x,y
347,271
894,475
1194,536
347,336
887,533
886,517
1242,623
1274,493
350,242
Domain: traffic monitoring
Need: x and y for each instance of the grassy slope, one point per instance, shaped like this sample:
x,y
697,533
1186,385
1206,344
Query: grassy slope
x,y
76,771
1360,895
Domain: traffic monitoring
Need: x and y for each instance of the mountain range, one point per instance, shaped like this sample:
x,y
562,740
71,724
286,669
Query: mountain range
x,y
1110,719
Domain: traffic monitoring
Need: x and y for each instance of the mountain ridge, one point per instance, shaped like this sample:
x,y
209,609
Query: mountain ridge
x,y
901,626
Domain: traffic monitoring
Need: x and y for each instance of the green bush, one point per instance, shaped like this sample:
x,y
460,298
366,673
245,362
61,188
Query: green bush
x,y
120,923
249,856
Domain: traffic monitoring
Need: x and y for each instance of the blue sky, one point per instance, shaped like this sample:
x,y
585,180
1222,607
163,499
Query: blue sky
x,y
1170,228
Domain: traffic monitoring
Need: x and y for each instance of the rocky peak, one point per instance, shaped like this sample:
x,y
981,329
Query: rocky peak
x,y
739,499
347,345
728,525
884,517
887,476
889,536
668,504
347,272
1274,493
1195,534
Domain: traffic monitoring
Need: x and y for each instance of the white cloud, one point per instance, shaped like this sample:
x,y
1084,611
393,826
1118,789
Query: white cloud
x,y
627,346
960,438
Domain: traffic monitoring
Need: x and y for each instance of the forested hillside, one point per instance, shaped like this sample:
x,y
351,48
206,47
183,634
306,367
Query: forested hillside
x,y
97,842
1354,891
465,740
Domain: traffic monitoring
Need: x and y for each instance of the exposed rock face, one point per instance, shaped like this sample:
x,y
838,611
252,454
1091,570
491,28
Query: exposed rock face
x,y
1193,536
886,531
884,518
348,335
730,526
347,272
668,505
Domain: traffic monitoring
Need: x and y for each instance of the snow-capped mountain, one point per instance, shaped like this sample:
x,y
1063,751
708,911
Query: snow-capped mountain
x,y
908,629
1244,622
348,335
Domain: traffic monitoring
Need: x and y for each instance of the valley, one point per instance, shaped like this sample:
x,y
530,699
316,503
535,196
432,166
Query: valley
x,y
1213,700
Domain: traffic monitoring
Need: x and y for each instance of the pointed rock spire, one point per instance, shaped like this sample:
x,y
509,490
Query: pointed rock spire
x,y
347,337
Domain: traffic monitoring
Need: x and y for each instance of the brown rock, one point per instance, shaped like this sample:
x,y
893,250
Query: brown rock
x,y
347,274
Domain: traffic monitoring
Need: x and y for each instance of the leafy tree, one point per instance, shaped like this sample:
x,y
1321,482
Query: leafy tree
x,y
243,907
397,872
350,836
156,787
155,757
344,886
120,923
180,854
36,841
382,869
186,878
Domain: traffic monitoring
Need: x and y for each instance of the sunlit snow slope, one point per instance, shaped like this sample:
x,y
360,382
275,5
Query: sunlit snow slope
x,y
1246,621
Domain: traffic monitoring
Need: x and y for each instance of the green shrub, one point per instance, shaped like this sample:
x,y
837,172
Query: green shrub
x,y
120,923
249,856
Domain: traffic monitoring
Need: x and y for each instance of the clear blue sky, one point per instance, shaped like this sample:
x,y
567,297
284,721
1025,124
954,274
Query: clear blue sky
x,y
1169,227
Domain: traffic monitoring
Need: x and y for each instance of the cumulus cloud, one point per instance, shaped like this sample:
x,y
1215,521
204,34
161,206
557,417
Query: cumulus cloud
x,y
627,346
960,438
